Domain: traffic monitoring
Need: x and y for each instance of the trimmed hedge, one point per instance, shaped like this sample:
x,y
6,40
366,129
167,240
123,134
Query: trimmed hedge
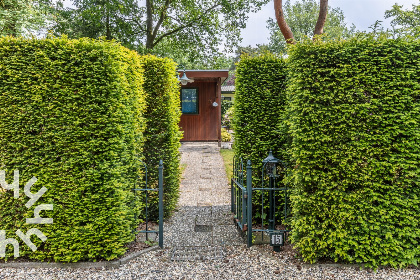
x,y
355,115
259,105
71,115
260,99
162,134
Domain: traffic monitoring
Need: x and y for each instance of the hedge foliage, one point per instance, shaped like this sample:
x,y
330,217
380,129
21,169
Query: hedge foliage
x,y
259,105
162,134
71,114
260,100
354,118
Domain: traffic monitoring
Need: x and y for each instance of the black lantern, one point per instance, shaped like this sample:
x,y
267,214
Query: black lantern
x,y
270,163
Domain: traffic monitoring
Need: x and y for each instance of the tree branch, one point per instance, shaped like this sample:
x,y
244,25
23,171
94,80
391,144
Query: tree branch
x,y
139,24
162,17
284,27
323,10
189,24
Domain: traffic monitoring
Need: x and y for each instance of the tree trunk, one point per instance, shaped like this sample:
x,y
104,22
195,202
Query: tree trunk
x,y
107,25
149,25
323,10
284,27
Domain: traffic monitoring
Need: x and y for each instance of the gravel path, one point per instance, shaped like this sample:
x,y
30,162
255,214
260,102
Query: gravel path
x,y
204,219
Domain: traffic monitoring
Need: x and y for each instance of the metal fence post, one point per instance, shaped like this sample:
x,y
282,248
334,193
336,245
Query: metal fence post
x,y
161,204
244,213
249,210
232,199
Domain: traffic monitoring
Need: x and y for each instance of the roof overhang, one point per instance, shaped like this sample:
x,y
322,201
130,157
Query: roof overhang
x,y
206,74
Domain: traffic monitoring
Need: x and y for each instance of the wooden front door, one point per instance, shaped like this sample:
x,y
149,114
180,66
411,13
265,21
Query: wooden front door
x,y
204,125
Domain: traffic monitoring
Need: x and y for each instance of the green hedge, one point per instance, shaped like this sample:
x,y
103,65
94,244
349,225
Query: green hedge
x,y
71,115
259,113
355,115
162,134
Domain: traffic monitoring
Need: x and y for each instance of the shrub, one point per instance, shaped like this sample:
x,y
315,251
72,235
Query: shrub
x,y
354,108
226,137
226,105
258,114
162,134
71,115
227,118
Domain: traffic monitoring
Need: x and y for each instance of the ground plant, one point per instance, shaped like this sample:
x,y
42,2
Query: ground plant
x,y
227,118
226,137
227,155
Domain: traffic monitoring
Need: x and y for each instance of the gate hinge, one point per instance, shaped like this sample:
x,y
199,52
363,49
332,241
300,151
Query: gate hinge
x,y
245,196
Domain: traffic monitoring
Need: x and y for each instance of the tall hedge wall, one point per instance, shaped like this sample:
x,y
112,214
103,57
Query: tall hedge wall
x,y
355,115
260,99
259,105
71,115
162,135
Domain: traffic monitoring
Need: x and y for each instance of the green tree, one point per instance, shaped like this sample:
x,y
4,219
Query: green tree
x,y
196,28
302,16
191,59
112,19
405,22
24,17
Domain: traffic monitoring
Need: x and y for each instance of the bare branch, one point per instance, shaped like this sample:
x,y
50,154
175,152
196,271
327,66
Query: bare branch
x,y
284,27
323,10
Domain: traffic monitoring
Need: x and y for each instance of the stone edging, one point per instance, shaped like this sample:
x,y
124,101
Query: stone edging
x,y
333,265
106,264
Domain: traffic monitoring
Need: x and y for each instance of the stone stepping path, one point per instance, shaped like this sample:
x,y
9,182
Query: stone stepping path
x,y
203,222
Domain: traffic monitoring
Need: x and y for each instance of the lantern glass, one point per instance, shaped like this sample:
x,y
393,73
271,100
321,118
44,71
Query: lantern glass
x,y
271,165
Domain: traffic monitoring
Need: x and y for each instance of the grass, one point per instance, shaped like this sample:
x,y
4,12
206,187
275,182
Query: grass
x,y
228,160
183,166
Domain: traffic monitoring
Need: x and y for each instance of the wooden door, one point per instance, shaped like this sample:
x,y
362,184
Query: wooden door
x,y
204,125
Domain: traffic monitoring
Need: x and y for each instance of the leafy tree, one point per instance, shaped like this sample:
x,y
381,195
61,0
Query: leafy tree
x,y
405,22
23,17
196,28
190,58
112,19
301,16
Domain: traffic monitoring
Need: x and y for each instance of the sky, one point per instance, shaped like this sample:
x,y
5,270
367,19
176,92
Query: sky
x,y
363,13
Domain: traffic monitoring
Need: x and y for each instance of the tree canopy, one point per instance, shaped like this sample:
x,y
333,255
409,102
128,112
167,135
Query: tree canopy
x,y
405,22
23,17
302,17
200,28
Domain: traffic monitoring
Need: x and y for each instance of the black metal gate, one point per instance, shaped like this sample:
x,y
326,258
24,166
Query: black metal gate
x,y
146,189
269,193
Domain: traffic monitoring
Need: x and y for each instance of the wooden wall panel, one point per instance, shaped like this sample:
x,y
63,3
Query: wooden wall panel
x,y
205,125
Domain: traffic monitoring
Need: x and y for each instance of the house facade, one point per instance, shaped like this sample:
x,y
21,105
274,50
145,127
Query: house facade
x,y
201,105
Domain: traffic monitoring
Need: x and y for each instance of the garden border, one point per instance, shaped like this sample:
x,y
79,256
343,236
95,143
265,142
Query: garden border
x,y
105,264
